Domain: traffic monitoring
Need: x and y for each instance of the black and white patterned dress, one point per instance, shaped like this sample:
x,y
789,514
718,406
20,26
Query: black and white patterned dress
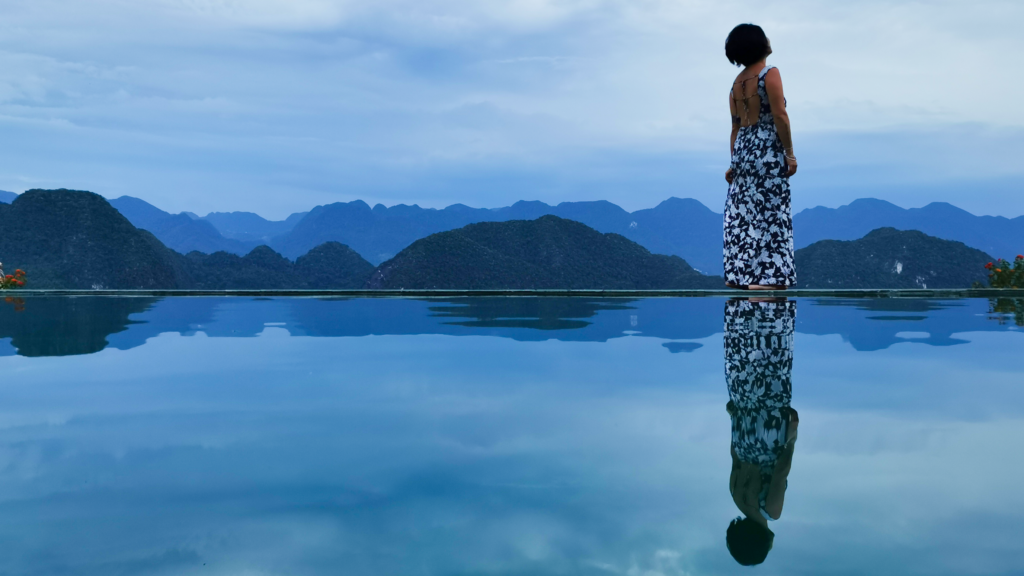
x,y
758,218
758,372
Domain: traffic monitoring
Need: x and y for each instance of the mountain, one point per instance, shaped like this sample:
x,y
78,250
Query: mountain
x,y
71,239
7,197
328,266
685,228
180,232
250,227
549,252
890,258
994,235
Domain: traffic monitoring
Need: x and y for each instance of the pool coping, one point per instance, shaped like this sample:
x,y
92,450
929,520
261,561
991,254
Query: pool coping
x,y
442,293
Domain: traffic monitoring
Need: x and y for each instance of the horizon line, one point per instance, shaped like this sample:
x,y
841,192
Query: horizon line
x,y
518,202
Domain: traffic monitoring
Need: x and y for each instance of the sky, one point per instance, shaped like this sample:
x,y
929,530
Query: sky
x,y
275,106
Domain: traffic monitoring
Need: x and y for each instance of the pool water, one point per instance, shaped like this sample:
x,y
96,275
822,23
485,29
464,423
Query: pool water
x,y
509,436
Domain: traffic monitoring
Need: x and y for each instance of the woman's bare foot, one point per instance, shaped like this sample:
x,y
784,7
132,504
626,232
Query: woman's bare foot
x,y
736,286
762,287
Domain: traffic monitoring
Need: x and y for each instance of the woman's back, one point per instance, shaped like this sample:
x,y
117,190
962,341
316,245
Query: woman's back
x,y
750,98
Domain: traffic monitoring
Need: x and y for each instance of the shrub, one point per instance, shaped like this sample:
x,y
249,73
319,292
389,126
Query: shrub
x,y
10,281
1003,274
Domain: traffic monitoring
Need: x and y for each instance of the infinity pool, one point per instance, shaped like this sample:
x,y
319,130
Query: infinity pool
x,y
508,436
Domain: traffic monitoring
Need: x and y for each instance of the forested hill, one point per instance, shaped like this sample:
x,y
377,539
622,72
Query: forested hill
x,y
890,258
548,252
73,239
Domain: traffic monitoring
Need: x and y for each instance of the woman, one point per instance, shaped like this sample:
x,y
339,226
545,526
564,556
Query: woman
x,y
758,371
758,223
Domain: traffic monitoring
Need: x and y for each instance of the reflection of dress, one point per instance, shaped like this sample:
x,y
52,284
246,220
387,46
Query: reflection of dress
x,y
758,371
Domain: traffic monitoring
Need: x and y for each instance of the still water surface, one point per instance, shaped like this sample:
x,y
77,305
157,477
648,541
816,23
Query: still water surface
x,y
508,436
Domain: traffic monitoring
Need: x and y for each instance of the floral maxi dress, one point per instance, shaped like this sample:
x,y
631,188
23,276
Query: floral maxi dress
x,y
758,218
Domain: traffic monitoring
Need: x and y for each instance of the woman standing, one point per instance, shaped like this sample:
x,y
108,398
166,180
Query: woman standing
x,y
758,221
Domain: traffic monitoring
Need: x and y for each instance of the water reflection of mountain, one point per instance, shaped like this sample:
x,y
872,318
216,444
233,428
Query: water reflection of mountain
x,y
876,324
65,326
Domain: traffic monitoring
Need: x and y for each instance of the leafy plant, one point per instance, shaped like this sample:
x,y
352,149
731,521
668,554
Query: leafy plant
x,y
10,281
1003,274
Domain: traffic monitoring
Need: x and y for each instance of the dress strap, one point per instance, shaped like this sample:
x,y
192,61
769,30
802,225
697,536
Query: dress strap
x,y
760,75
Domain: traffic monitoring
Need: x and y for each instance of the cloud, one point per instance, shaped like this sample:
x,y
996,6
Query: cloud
x,y
273,106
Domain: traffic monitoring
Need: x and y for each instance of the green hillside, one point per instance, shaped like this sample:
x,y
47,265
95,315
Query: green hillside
x,y
890,258
77,240
548,252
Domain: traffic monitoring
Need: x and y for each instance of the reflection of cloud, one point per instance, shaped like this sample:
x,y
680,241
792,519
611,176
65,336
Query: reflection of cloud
x,y
399,454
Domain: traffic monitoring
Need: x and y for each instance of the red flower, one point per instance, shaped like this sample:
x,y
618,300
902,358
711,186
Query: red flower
x,y
1020,256
20,283
9,277
988,266
19,272
999,270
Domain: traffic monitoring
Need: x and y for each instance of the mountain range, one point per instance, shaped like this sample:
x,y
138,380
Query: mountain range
x,y
79,240
676,227
995,235
74,239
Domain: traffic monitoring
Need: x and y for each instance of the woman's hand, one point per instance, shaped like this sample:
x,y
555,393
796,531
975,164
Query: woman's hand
x,y
729,176
791,163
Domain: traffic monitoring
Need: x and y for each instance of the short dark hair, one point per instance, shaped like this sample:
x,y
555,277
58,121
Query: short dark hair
x,y
746,45
748,541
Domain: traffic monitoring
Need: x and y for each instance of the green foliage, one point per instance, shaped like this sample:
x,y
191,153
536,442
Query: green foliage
x,y
12,281
1003,274
548,252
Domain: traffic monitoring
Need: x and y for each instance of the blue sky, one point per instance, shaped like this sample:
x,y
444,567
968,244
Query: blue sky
x,y
274,106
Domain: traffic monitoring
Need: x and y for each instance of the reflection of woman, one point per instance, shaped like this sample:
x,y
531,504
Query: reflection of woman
x,y
758,371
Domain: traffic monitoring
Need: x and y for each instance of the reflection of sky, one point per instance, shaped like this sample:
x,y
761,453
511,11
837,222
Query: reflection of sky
x,y
435,454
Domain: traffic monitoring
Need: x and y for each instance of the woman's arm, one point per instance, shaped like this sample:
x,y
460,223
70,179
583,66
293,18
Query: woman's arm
x,y
777,100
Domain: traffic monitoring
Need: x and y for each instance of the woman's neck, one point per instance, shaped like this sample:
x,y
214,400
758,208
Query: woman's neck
x,y
757,66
